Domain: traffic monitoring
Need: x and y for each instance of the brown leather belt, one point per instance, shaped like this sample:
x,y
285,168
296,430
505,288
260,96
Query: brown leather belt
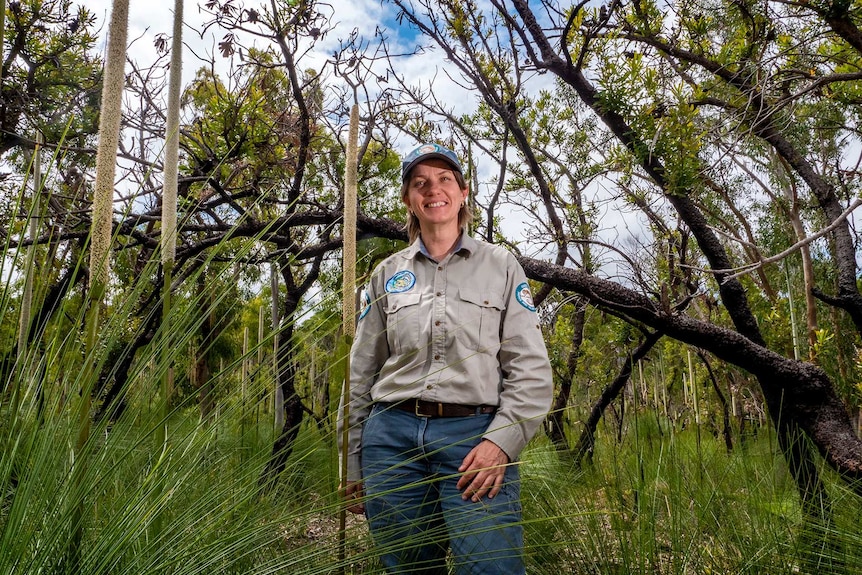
x,y
424,408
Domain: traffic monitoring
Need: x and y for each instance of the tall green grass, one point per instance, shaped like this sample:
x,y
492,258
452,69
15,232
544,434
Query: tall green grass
x,y
675,502
192,507
665,504
663,500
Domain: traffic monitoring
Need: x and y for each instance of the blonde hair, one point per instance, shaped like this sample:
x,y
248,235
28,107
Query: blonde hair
x,y
465,215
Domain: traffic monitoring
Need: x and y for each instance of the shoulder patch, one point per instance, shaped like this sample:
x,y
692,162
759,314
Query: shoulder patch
x,y
402,281
524,297
364,303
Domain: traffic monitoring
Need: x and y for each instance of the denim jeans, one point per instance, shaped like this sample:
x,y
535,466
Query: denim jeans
x,y
415,511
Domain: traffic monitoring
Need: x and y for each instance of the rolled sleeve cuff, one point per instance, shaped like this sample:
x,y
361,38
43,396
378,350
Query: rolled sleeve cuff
x,y
507,436
354,468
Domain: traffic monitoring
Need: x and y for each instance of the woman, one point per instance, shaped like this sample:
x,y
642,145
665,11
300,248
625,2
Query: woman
x,y
449,380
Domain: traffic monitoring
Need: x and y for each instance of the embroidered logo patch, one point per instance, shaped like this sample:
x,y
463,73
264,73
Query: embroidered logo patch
x,y
364,303
400,282
524,297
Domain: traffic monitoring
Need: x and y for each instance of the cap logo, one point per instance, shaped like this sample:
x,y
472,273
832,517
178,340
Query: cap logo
x,y
427,151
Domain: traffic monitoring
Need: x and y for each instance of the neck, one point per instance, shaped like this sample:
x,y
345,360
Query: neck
x,y
440,242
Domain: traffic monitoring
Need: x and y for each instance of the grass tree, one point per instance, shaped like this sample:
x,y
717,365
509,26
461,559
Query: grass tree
x,y
169,191
106,158
348,308
101,231
27,296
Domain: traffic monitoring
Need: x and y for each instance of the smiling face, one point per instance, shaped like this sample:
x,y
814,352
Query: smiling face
x,y
433,195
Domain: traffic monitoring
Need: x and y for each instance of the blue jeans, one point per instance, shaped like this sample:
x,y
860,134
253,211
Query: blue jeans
x,y
415,511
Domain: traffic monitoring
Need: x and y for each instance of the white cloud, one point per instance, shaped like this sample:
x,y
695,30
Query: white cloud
x,y
149,19
428,70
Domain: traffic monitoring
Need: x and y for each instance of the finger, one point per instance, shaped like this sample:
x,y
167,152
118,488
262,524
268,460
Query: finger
x,y
469,469
476,486
473,478
487,483
468,460
352,490
353,497
467,479
498,485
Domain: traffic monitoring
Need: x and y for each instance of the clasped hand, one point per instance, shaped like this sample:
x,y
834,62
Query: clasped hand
x,y
483,471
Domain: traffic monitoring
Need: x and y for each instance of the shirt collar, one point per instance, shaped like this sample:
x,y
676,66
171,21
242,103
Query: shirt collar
x,y
465,243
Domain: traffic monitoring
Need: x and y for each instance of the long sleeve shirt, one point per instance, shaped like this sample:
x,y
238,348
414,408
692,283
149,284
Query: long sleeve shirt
x,y
463,330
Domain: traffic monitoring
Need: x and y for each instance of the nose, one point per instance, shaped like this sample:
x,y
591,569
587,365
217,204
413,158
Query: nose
x,y
433,186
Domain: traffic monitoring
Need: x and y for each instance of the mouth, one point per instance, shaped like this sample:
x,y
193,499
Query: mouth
x,y
435,205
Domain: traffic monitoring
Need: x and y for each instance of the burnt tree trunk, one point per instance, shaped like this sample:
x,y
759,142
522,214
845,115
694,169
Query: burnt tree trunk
x,y
557,416
283,445
797,391
725,408
787,421
286,371
114,378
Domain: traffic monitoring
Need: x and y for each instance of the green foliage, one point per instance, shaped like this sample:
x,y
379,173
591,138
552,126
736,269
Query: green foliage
x,y
677,503
662,500
246,125
662,493
53,79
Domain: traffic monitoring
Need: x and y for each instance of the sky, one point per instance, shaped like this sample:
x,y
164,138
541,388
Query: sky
x,y
150,18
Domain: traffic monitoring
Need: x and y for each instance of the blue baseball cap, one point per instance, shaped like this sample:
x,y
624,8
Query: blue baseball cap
x,y
427,152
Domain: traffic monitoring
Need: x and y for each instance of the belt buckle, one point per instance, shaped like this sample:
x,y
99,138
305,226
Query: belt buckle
x,y
416,409
418,413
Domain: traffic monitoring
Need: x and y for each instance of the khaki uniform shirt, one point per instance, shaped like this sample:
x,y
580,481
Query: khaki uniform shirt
x,y
463,330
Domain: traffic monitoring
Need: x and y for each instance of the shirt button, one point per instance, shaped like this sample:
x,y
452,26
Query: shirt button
x,y
429,387
437,322
437,356
439,268
486,302
439,293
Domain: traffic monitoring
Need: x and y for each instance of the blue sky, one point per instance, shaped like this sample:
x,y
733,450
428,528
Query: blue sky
x,y
150,18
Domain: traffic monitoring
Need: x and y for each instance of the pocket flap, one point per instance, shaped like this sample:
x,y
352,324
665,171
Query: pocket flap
x,y
481,299
397,301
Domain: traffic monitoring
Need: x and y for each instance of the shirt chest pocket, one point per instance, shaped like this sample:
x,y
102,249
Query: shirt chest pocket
x,y
403,321
479,316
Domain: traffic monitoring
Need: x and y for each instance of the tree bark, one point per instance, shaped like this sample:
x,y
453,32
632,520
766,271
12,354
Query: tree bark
x,y
283,445
286,373
208,334
786,421
801,392
556,418
725,408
